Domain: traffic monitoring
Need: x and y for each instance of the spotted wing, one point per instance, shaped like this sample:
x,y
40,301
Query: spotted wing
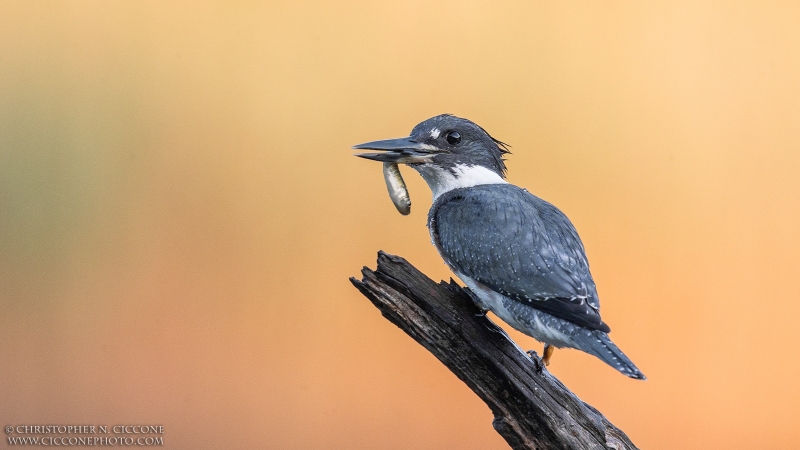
x,y
519,245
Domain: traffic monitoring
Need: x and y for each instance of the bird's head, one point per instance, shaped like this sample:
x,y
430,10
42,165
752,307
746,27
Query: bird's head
x,y
448,152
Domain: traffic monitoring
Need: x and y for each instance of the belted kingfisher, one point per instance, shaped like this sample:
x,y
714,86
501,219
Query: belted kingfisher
x,y
518,254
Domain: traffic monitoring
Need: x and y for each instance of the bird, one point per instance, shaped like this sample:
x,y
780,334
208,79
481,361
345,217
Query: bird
x,y
519,255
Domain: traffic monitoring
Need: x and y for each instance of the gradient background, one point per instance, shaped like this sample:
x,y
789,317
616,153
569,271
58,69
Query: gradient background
x,y
180,213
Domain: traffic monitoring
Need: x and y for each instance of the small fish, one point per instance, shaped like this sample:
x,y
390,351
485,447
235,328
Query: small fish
x,y
397,188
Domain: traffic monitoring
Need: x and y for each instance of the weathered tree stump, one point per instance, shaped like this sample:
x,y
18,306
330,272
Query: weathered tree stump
x,y
532,409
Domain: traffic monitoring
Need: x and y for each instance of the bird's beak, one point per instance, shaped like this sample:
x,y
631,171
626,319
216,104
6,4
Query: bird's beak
x,y
401,151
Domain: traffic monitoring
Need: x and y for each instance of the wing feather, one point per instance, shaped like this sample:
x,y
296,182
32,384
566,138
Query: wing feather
x,y
519,245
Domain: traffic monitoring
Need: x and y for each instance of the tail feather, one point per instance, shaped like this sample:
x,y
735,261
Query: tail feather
x,y
598,344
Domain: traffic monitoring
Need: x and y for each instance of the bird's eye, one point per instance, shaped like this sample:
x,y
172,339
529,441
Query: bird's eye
x,y
453,137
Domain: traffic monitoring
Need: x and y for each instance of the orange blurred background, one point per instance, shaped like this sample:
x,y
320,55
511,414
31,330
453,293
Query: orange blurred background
x,y
180,212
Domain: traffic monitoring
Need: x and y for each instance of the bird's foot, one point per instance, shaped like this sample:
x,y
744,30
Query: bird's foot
x,y
537,362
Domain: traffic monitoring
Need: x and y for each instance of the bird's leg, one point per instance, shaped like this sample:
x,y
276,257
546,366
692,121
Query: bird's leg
x,y
547,354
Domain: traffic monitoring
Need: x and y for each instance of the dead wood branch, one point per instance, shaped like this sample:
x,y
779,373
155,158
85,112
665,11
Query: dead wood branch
x,y
532,409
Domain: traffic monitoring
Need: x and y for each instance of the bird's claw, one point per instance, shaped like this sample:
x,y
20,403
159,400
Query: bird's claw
x,y
538,366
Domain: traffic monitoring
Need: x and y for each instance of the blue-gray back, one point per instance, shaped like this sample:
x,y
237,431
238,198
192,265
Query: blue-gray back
x,y
519,245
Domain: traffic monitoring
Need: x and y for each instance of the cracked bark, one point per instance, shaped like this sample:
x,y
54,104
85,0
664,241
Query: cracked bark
x,y
532,409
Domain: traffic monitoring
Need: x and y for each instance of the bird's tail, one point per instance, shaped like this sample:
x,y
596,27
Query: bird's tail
x,y
598,344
